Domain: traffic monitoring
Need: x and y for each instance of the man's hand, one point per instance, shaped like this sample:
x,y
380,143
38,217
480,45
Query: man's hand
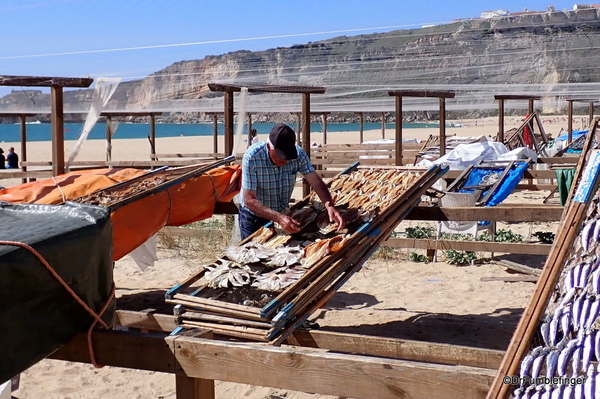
x,y
335,216
288,224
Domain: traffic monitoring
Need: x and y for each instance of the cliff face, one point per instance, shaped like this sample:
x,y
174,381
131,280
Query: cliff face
x,y
479,57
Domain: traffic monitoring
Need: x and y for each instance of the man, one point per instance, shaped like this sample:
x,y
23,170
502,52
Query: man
x,y
269,171
12,159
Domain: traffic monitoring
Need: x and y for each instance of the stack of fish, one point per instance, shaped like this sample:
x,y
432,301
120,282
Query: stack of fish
x,y
566,363
265,287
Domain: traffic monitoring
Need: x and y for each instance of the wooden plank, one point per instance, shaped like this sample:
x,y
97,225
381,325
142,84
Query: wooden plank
x,y
422,93
318,371
222,87
499,213
10,174
189,155
349,343
430,352
44,81
477,246
121,349
519,267
511,279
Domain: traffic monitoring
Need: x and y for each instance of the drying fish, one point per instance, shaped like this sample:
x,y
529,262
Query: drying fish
x,y
597,382
545,331
225,273
286,256
593,314
248,253
596,282
577,307
263,234
585,272
538,362
277,241
552,363
576,359
277,279
585,310
565,322
304,216
568,296
528,361
588,351
589,383
586,235
553,332
597,344
564,357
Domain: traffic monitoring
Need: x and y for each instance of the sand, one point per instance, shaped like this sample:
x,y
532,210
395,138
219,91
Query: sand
x,y
434,302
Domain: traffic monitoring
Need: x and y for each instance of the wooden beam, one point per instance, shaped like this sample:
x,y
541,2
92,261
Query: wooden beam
x,y
322,372
44,81
500,213
23,133
152,135
266,88
58,131
570,122
516,97
215,133
422,93
357,344
500,120
476,246
442,126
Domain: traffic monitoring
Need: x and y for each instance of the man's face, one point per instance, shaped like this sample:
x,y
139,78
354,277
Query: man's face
x,y
276,160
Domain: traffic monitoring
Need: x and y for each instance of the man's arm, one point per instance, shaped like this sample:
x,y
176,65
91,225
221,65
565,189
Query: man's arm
x,y
287,223
322,191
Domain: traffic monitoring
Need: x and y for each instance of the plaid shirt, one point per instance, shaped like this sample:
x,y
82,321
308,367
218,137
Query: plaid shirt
x,y
273,185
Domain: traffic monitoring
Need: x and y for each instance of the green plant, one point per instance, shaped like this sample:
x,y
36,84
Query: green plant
x,y
415,257
546,237
420,232
460,258
456,237
507,236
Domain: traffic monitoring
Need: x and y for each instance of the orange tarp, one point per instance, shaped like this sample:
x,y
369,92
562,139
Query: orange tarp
x,y
134,223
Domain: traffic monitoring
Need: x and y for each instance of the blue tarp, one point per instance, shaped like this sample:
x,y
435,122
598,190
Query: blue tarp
x,y
512,178
575,135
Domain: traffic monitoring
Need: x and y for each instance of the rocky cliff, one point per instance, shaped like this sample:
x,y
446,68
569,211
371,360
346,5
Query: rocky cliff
x,y
548,54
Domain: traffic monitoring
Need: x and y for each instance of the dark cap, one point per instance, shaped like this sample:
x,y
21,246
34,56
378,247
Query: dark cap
x,y
283,138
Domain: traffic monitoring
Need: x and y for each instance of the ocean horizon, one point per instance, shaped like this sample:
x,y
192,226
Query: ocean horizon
x,y
42,131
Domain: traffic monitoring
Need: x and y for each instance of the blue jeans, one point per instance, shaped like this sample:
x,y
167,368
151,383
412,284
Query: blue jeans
x,y
249,222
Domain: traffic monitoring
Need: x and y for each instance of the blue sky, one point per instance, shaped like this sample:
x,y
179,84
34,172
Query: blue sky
x,y
133,38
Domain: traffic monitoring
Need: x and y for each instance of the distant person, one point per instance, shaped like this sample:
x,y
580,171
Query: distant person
x,y
12,159
2,159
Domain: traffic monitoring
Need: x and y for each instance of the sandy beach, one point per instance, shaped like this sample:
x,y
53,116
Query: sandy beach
x,y
389,297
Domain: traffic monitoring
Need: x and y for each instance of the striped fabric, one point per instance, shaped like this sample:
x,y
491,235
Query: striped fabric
x,y
273,185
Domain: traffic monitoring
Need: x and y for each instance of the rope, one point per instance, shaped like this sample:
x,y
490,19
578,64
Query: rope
x,y
97,317
60,189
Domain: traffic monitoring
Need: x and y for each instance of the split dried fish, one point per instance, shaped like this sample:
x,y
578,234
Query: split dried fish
x,y
263,234
225,273
250,252
277,279
286,256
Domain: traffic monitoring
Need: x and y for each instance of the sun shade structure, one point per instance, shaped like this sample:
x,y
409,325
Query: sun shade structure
x,y
56,85
440,95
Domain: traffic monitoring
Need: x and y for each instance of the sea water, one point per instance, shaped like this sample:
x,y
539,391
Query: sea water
x,y
42,131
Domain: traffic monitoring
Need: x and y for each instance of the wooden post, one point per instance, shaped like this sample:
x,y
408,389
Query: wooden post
x,y
23,130
299,126
228,96
383,125
591,113
570,122
58,131
249,129
108,138
361,119
501,121
442,126
531,109
152,135
193,388
215,134
306,135
324,117
398,143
